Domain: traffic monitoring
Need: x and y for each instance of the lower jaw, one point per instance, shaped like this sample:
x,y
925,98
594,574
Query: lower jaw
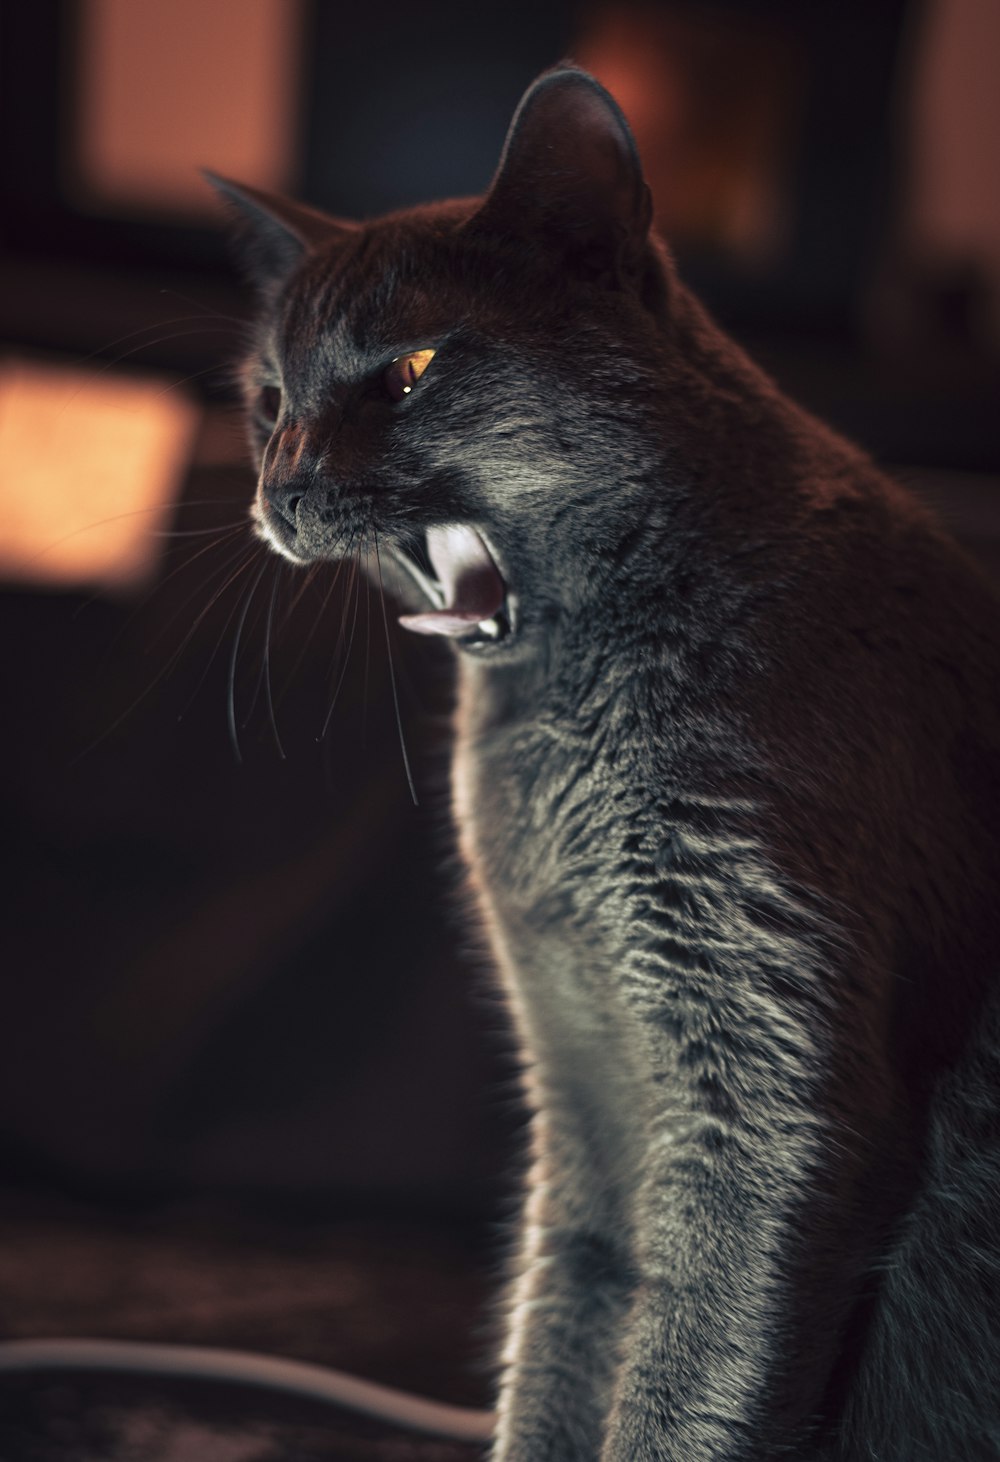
x,y
465,633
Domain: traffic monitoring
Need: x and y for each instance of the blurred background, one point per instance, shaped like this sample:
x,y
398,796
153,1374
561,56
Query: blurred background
x,y
234,974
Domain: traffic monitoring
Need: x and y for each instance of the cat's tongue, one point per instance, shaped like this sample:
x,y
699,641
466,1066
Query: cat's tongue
x,y
471,582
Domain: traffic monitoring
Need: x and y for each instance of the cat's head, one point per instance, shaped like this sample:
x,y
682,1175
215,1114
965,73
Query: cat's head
x,y
466,388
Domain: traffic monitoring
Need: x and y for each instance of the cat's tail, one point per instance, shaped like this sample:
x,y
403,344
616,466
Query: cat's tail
x,y
294,1377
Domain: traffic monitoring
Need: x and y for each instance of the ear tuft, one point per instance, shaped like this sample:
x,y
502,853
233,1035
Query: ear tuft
x,y
570,172
274,234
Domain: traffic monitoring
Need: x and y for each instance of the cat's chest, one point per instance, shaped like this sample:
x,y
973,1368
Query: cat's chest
x,y
544,808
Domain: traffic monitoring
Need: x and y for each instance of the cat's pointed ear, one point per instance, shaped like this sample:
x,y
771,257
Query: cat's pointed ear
x,y
275,234
570,173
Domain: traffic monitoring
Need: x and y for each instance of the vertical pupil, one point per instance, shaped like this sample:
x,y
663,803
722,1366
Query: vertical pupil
x,y
402,375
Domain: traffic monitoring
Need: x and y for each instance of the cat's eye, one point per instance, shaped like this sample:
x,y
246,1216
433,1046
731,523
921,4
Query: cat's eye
x,y
267,407
402,375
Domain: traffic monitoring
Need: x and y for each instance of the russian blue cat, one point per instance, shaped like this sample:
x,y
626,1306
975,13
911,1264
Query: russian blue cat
x,y
727,787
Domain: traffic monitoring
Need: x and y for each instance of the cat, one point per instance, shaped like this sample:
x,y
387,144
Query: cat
x,y
726,784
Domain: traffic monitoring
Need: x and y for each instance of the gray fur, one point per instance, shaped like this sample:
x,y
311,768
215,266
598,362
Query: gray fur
x,y
727,797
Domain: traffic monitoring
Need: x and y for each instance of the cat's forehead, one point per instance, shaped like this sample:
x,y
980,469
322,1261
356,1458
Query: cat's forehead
x,y
391,287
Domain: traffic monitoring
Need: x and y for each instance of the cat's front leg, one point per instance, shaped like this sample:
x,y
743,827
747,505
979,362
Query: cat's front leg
x,y
701,1365
733,1321
569,1296
671,1402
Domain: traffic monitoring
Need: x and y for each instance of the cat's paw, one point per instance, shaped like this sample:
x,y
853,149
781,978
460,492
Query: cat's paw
x,y
543,1443
635,1435
538,1449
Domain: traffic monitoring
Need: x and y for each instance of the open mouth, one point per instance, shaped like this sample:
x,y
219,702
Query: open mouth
x,y
458,574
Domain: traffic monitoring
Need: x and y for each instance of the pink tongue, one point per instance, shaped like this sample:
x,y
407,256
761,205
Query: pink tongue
x,y
473,588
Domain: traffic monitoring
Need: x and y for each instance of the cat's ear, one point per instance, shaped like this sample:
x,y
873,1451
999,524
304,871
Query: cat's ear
x,y
274,234
570,173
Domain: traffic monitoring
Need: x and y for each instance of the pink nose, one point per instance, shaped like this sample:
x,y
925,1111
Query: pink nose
x,y
287,469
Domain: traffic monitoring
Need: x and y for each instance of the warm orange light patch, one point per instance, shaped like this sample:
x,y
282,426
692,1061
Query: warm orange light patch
x,y
90,466
166,86
713,99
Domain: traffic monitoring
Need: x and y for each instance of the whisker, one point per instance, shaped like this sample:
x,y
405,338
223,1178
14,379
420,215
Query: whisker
x,y
155,340
208,311
268,700
194,376
309,577
197,532
161,584
240,569
55,543
166,667
83,360
242,557
185,563
233,656
258,683
368,657
392,674
94,372
344,653
310,634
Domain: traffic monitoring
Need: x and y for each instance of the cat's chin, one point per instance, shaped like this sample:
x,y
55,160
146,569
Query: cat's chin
x,y
270,534
457,571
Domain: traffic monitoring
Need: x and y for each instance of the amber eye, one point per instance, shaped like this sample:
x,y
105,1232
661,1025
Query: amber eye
x,y
267,407
400,378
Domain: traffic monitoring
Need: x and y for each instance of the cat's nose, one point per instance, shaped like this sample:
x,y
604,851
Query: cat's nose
x,y
283,498
287,467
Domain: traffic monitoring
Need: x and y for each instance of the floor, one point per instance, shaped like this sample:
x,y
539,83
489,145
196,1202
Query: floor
x,y
404,1306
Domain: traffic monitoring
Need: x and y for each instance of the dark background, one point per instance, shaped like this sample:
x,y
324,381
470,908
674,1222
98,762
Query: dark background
x,y
235,971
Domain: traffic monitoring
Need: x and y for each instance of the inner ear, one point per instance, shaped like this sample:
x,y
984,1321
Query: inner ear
x,y
274,234
570,173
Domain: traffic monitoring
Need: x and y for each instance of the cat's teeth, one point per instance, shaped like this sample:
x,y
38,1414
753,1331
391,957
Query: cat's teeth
x,y
472,590
465,570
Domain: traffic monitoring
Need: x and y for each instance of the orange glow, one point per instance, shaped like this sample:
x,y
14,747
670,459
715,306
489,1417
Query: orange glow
x,y
90,466
712,99
168,86
954,114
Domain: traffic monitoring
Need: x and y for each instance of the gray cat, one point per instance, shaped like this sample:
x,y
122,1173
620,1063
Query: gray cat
x,y
727,786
